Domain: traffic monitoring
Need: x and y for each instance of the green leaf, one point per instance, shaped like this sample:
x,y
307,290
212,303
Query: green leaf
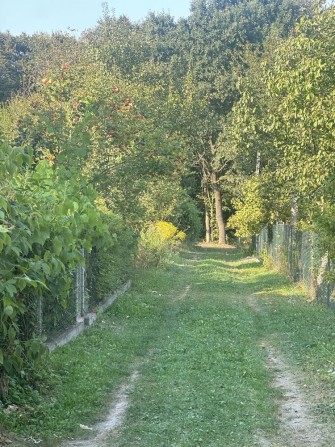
x,y
41,236
16,250
11,333
3,203
21,283
9,311
46,268
10,288
57,245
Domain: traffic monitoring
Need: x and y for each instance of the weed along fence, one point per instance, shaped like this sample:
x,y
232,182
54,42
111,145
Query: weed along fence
x,y
59,323
297,254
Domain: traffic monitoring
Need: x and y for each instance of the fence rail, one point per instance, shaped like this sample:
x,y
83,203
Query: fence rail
x,y
298,254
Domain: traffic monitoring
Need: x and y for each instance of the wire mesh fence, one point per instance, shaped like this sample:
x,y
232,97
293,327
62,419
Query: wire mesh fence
x,y
103,273
56,315
298,255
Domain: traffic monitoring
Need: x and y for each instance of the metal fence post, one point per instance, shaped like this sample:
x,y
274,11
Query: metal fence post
x,y
40,316
80,292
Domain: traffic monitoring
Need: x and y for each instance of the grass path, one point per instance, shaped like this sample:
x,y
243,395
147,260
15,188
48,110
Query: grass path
x,y
224,352
210,381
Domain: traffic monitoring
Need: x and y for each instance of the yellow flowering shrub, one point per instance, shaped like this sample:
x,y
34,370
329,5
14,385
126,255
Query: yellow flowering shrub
x,y
157,242
168,231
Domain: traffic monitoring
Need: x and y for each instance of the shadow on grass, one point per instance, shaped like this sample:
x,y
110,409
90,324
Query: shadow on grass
x,y
235,273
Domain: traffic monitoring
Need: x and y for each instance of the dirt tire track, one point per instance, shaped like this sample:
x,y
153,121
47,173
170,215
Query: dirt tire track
x,y
297,425
114,418
103,431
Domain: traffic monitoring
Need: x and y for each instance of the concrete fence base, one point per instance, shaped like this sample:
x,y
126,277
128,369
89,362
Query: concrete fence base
x,y
86,320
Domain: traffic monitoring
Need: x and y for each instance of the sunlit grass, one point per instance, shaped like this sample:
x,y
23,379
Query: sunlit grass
x,y
196,340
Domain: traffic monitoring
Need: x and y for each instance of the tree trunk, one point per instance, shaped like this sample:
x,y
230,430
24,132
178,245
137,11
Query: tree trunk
x,y
208,226
218,209
3,384
218,197
294,212
258,163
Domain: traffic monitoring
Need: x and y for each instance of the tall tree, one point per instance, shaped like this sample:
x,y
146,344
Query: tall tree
x,y
14,53
221,33
289,120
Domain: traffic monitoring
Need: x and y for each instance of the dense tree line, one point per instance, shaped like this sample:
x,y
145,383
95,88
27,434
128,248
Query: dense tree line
x,y
226,115
284,124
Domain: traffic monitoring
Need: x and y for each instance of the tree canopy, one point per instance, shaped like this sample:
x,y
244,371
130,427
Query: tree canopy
x,y
226,115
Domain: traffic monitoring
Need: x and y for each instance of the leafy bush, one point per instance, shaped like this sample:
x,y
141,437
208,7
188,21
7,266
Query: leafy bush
x,y
109,268
188,217
45,221
250,215
157,242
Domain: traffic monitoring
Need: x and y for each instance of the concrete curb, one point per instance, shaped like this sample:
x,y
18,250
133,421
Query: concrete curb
x,y
87,320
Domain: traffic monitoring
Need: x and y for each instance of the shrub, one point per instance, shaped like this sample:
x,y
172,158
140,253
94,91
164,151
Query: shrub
x,y
250,213
45,222
156,244
188,217
109,268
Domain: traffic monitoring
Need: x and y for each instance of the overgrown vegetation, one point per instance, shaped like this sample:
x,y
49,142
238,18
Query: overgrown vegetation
x,y
225,115
284,125
45,223
157,242
75,386
190,331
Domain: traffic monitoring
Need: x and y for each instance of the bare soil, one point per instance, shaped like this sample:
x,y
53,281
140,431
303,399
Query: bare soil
x,y
298,426
114,419
215,245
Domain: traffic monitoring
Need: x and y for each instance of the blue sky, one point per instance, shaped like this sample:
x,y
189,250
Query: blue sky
x,y
31,16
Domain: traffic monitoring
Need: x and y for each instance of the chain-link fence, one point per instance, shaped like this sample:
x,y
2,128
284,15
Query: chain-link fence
x,y
297,254
102,273
54,315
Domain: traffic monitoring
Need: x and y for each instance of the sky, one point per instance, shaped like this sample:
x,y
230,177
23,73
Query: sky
x,y
29,16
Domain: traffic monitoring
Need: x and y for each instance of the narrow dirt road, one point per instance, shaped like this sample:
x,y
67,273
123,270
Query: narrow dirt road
x,y
112,421
217,374
297,426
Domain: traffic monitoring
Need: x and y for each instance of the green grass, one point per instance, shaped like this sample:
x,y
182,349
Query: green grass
x,y
82,375
207,384
203,377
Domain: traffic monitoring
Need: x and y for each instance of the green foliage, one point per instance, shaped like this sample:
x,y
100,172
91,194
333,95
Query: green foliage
x,y
110,267
82,118
14,52
44,224
156,244
132,109
91,367
284,122
188,217
324,226
250,214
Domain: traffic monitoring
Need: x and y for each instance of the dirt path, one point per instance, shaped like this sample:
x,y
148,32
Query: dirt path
x,y
297,425
104,431
115,417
